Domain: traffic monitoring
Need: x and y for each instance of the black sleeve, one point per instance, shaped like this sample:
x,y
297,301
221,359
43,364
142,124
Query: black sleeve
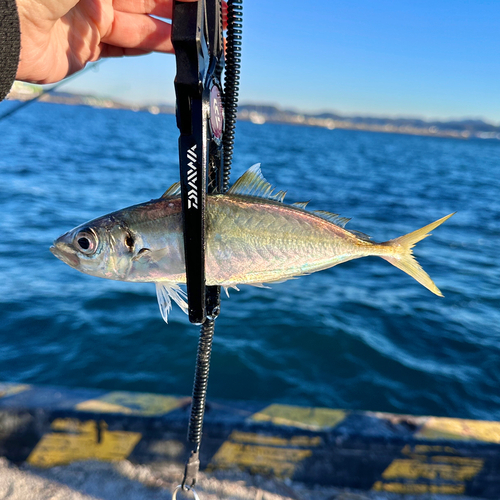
x,y
10,45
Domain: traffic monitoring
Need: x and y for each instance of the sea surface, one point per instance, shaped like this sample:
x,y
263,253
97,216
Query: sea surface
x,y
362,335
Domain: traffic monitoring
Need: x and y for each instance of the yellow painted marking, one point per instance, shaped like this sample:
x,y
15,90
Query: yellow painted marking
x,y
131,404
461,430
95,405
305,441
252,438
419,473
415,469
280,462
458,460
268,455
75,440
298,416
412,488
7,389
423,448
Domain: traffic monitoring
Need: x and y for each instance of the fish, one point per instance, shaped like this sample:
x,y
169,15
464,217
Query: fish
x,y
252,238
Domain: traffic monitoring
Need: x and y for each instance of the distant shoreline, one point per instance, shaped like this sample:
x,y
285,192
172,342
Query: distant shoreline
x,y
260,114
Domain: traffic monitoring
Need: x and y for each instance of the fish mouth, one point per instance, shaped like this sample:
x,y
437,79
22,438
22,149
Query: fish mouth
x,y
64,253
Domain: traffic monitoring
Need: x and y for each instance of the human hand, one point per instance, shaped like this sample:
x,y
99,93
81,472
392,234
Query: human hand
x,y
59,37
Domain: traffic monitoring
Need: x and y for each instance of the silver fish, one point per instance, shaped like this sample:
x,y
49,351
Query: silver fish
x,y
252,238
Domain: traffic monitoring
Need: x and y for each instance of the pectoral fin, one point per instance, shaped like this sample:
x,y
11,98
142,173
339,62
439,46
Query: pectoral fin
x,y
142,254
145,255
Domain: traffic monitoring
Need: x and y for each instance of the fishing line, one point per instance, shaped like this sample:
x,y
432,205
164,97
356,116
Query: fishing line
x,y
22,105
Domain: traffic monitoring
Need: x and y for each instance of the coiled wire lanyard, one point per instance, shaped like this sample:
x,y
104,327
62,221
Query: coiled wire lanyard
x,y
206,117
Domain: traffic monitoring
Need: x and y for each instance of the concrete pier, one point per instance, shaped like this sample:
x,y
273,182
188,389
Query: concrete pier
x,y
47,430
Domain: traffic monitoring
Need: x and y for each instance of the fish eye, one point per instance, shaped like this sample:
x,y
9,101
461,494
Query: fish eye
x,y
129,241
86,242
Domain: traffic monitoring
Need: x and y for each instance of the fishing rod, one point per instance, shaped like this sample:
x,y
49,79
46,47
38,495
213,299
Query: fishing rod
x,y
206,117
23,104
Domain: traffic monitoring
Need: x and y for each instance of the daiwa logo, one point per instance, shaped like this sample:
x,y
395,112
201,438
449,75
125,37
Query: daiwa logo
x,y
192,178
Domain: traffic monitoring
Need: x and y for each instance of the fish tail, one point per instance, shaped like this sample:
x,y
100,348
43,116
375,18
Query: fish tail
x,y
401,254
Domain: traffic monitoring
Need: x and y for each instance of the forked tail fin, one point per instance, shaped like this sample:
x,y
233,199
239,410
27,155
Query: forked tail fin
x,y
403,257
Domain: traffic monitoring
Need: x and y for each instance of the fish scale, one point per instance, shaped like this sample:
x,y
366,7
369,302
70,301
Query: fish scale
x,y
272,244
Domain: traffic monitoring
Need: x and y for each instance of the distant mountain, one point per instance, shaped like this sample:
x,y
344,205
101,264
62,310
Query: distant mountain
x,y
259,114
26,92
462,129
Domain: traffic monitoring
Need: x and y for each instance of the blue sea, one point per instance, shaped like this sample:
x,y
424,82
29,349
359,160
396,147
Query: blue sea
x,y
362,335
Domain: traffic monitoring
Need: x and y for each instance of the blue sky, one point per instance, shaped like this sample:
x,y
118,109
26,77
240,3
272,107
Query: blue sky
x,y
430,59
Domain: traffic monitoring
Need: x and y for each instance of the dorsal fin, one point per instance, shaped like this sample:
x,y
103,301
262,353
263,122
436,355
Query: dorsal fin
x,y
173,190
335,218
252,183
279,196
300,204
360,235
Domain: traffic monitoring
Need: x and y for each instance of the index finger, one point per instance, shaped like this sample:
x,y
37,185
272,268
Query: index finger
x,y
160,8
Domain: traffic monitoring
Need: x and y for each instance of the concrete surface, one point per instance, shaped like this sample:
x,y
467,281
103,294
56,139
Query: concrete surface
x,y
88,443
123,480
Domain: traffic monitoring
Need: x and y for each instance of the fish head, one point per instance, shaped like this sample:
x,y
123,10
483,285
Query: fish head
x,y
103,247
